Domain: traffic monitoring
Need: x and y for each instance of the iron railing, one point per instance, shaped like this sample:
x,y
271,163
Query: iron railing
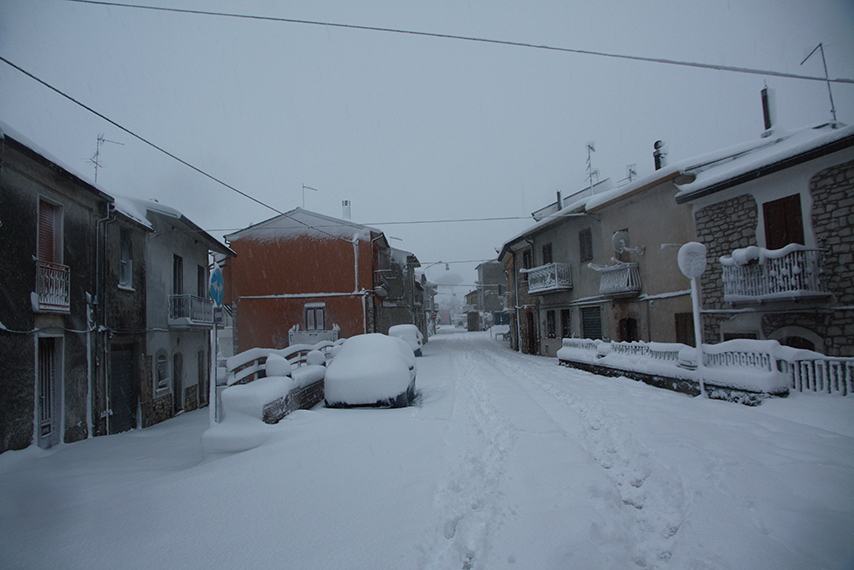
x,y
54,287
190,310
550,277
797,274
620,280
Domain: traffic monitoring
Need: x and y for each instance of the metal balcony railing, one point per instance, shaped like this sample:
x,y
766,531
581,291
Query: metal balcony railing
x,y
189,310
549,278
622,280
790,273
54,287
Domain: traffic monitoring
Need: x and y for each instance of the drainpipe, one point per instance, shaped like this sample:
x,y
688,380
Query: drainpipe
x,y
516,302
100,279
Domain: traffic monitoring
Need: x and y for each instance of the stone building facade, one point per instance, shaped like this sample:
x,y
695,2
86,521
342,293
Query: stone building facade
x,y
807,175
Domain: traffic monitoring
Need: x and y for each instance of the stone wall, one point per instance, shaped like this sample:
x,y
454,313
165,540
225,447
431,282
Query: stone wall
x,y
832,191
722,227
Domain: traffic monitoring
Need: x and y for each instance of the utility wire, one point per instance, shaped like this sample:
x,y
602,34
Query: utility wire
x,y
664,61
164,151
136,136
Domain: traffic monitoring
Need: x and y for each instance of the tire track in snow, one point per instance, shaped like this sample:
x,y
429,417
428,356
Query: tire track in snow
x,y
654,498
467,500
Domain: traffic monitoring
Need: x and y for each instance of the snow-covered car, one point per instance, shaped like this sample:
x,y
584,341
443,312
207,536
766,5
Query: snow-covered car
x,y
410,334
371,370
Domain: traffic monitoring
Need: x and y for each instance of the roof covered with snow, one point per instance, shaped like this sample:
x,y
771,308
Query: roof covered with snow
x,y
299,222
141,212
779,150
7,131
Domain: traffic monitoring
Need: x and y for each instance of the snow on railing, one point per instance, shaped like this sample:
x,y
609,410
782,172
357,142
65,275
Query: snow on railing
x,y
243,367
754,273
620,279
751,365
549,277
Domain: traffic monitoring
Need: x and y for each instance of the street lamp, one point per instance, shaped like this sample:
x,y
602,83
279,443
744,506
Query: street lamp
x,y
692,263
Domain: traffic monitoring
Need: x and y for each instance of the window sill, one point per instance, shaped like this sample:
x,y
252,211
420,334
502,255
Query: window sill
x,y
127,288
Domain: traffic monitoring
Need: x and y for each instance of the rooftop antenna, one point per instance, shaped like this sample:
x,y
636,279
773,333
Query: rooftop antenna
x,y
631,171
304,188
96,158
826,77
591,172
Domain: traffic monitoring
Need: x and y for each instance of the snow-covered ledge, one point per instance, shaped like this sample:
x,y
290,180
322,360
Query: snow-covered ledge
x,y
738,370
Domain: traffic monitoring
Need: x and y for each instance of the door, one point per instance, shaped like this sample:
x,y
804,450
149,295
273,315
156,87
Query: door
x,y
177,382
48,395
122,402
531,334
591,322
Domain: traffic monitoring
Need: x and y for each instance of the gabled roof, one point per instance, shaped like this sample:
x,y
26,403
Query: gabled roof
x,y
140,212
748,161
299,222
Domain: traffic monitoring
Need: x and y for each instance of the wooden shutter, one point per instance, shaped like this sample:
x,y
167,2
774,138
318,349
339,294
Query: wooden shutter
x,y
783,222
47,232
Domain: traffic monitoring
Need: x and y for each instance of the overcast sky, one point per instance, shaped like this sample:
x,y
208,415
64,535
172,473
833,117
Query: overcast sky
x,y
407,127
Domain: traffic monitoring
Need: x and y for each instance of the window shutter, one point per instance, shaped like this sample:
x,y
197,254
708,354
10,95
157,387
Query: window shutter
x,y
783,222
47,237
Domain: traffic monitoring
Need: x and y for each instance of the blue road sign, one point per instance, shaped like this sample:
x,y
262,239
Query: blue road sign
x,y
217,285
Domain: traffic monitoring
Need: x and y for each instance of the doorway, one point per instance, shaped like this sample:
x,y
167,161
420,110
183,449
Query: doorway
x,y
49,399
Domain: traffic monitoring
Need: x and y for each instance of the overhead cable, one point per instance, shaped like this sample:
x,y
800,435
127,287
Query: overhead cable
x,y
578,51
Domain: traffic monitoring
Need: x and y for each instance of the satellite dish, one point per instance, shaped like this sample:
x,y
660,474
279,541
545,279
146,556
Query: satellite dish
x,y
620,241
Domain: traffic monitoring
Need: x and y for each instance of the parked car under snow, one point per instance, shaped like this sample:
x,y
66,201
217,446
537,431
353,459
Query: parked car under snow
x,y
410,334
371,370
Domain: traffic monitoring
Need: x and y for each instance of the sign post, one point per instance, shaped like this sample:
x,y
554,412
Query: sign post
x,y
216,288
692,263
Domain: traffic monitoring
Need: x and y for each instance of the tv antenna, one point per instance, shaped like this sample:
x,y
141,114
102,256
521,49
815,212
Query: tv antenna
x,y
591,172
304,188
820,47
96,158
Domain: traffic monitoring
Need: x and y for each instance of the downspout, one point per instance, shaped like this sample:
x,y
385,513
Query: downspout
x,y
100,280
516,303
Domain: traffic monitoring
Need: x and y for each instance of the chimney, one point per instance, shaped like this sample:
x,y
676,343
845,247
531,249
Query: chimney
x,y
345,206
559,203
660,154
769,110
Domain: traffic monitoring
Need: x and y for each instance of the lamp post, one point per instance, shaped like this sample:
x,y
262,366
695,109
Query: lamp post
x,y
692,263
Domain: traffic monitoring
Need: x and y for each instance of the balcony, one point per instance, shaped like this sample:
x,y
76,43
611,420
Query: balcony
x,y
54,287
190,311
757,275
621,280
549,278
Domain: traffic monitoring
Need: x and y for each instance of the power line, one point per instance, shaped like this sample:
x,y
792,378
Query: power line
x,y
664,61
136,136
164,151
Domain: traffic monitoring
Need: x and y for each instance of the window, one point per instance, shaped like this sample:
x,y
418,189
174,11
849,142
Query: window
x,y
50,232
177,275
591,322
783,222
550,324
162,372
585,244
526,263
565,331
547,254
201,282
125,259
315,317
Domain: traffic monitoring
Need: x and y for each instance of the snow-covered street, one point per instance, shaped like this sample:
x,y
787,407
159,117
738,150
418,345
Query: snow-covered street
x,y
507,461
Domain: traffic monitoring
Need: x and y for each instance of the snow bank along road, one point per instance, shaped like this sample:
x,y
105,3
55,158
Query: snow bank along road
x,y
508,461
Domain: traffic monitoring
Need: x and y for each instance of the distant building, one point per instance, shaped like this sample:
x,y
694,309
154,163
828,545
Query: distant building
x,y
302,277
